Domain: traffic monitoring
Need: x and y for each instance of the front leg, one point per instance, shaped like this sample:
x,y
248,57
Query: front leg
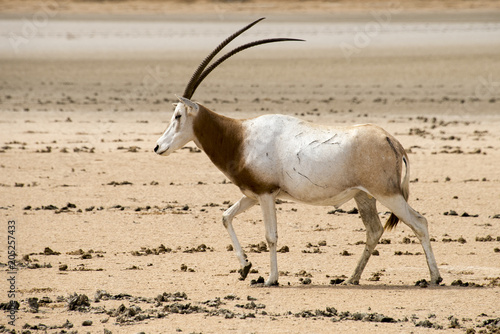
x,y
267,205
227,219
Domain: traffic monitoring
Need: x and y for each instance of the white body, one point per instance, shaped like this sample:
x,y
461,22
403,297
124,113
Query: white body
x,y
309,162
280,156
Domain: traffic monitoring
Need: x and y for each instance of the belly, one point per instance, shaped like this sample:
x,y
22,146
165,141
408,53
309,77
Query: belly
x,y
321,198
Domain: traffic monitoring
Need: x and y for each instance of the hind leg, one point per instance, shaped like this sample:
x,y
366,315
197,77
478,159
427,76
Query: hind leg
x,y
418,224
374,230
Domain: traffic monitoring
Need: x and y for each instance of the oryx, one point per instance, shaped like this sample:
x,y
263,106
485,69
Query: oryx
x,y
277,156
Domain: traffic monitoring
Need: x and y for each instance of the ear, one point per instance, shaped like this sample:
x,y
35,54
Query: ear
x,y
188,103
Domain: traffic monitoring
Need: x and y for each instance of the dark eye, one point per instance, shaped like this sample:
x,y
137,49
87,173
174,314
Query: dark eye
x,y
178,116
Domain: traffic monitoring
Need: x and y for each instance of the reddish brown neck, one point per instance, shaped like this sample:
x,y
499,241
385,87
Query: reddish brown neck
x,y
222,139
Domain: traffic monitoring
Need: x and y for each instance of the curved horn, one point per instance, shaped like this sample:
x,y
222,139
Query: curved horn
x,y
189,91
235,51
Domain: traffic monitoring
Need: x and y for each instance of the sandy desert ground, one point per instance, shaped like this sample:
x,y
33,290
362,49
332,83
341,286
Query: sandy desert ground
x,y
113,238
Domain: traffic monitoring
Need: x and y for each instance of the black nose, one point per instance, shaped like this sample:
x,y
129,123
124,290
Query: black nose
x,y
156,148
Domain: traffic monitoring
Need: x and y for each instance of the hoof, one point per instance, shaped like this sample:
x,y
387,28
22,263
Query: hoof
x,y
272,283
272,280
437,281
244,271
351,281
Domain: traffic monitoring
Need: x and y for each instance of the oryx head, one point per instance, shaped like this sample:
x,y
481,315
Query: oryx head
x,y
180,130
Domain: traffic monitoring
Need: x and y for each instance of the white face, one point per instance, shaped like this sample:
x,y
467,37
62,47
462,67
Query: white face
x,y
179,132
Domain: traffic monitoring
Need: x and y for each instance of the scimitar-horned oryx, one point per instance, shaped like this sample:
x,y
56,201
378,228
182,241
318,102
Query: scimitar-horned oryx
x,y
277,156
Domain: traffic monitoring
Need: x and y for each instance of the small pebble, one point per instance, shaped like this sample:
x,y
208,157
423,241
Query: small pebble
x,y
87,323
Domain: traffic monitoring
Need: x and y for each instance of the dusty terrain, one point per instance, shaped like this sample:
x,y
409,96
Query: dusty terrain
x,y
99,215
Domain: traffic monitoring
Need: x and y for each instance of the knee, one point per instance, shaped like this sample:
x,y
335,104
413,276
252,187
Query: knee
x,y
423,221
421,230
272,239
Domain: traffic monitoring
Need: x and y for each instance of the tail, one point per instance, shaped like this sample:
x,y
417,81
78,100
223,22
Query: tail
x,y
405,190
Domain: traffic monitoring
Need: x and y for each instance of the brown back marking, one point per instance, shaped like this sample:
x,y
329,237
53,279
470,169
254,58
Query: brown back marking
x,y
222,139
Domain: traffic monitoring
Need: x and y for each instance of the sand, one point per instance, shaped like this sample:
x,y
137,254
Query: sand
x,y
84,101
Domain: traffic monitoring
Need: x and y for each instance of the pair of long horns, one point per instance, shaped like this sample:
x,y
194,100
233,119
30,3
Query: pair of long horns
x,y
201,73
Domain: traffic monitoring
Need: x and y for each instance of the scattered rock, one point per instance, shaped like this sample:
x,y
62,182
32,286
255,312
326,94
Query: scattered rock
x,y
134,267
171,297
331,312
428,324
115,183
259,280
184,308
44,300
185,268
10,306
33,304
422,283
492,325
305,281
200,249
86,256
487,238
78,302
375,277
101,295
258,248
48,251
213,302
87,323
337,280
232,297
450,213
154,251
454,213
406,253
49,207
303,273
454,322
353,211
459,282
460,240
465,214
314,250
251,306
66,325
284,249
76,252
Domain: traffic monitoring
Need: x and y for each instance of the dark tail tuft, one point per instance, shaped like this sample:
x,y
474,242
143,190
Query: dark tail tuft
x,y
391,222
